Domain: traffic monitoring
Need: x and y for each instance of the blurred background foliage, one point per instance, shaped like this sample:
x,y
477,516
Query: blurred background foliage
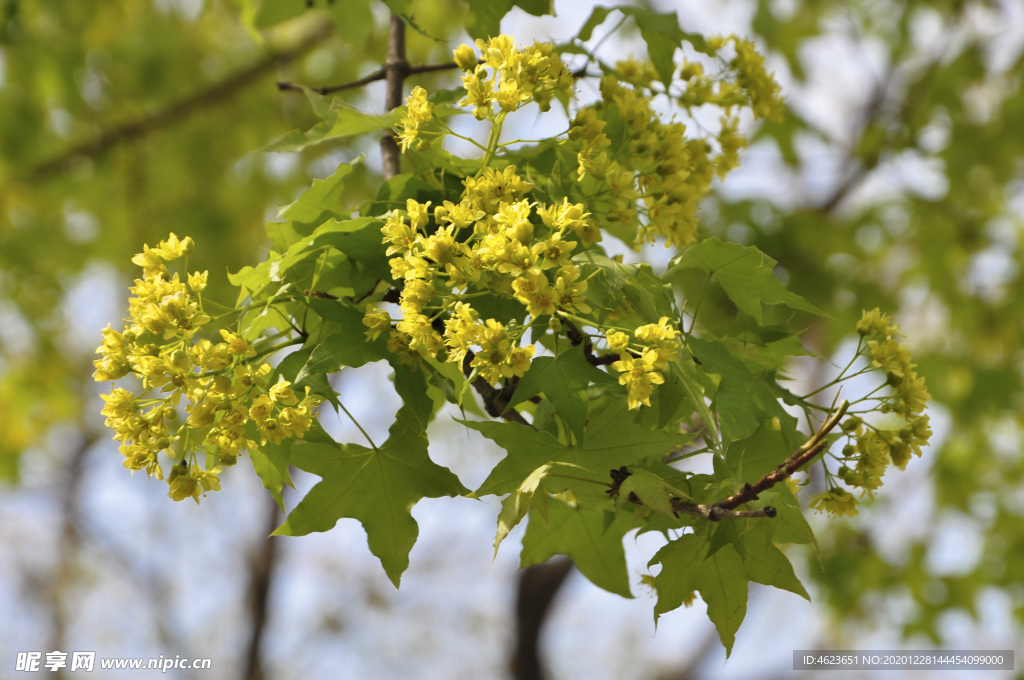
x,y
895,181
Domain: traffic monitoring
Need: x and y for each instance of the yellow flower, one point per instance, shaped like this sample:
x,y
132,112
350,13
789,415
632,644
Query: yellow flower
x,y
519,360
418,112
261,409
760,86
536,294
617,341
460,216
282,393
836,502
494,346
237,345
202,414
113,363
399,234
151,262
119,404
639,376
876,324
197,281
663,337
420,333
172,247
378,321
465,57
209,356
569,290
182,484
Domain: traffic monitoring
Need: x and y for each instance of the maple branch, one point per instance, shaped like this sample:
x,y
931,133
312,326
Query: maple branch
x,y
577,338
379,74
803,455
538,586
175,112
395,70
726,507
262,566
495,400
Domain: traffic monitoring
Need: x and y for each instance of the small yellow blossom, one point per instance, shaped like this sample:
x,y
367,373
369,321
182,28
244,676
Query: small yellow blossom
x,y
836,502
639,376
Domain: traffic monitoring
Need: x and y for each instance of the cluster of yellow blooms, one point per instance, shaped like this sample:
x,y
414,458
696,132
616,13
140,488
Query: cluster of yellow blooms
x,y
660,346
228,397
875,448
487,243
502,80
660,171
497,241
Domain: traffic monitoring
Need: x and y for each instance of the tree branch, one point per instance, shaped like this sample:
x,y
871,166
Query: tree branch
x,y
726,507
577,338
176,112
379,74
495,400
538,586
395,69
263,564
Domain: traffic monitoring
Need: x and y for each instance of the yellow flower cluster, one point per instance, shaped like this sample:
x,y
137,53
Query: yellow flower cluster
x,y
875,448
509,77
660,347
413,127
224,390
660,168
494,241
660,171
837,502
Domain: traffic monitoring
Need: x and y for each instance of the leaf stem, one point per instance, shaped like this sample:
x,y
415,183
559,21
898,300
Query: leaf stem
x,y
579,479
353,419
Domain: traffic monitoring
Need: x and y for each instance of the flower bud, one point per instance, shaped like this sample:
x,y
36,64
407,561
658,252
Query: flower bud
x,y
465,58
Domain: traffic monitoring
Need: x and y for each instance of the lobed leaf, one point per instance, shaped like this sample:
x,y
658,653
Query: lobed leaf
x,y
746,274
592,538
564,380
378,487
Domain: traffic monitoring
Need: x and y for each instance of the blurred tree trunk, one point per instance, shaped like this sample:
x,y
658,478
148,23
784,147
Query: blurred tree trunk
x,y
264,560
538,586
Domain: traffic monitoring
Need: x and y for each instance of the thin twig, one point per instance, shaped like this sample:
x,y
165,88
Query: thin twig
x,y
176,112
379,74
726,507
395,69
803,455
495,400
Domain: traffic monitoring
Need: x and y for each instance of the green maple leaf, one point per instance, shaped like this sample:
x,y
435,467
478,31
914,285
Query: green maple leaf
x,y
652,490
764,563
378,487
743,399
592,538
720,579
612,438
346,345
563,379
517,504
746,274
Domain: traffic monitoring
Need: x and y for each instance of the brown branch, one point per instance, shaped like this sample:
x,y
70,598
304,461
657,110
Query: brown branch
x,y
176,112
538,586
495,400
726,507
263,564
577,338
379,74
69,544
800,457
395,68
